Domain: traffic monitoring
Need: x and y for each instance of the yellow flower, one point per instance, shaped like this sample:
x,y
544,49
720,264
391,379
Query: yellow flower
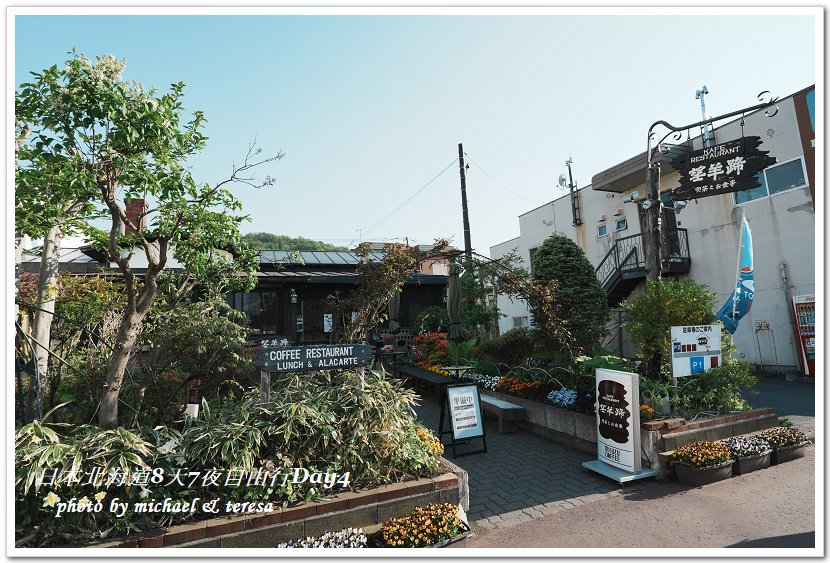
x,y
100,495
36,439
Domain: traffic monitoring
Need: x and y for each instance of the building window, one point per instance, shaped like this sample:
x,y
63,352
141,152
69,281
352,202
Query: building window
x,y
602,230
519,322
776,179
621,224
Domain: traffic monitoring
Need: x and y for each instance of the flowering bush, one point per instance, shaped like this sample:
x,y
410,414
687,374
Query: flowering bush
x,y
430,348
562,397
781,437
431,443
423,526
347,537
433,368
703,453
745,446
486,381
528,389
646,413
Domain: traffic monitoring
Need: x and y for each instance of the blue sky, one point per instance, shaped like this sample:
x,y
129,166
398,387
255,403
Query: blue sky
x,y
369,108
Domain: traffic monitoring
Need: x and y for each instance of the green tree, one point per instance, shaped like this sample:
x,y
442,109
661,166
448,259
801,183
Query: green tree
x,y
579,300
270,241
666,303
99,138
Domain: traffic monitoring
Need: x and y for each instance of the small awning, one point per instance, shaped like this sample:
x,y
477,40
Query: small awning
x,y
631,173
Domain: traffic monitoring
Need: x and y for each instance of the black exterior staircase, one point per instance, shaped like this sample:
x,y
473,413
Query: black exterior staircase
x,y
624,266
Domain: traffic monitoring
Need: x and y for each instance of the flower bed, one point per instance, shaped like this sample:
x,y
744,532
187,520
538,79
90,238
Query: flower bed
x,y
703,453
701,463
750,453
787,443
424,526
345,538
781,437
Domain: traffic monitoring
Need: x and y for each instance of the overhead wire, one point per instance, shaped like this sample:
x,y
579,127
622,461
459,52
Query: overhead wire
x,y
410,198
499,183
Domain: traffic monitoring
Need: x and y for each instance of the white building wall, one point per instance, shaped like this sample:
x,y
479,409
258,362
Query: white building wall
x,y
783,232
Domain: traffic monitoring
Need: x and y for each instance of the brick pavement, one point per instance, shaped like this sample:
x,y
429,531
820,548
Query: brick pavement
x,y
522,476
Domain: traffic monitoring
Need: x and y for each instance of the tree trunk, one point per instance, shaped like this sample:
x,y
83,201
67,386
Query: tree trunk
x,y
126,340
43,317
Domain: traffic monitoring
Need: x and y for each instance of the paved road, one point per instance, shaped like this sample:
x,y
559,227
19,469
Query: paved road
x,y
795,400
530,492
773,507
522,476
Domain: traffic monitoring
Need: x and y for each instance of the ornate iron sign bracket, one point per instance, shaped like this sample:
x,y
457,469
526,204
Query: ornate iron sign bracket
x,y
677,132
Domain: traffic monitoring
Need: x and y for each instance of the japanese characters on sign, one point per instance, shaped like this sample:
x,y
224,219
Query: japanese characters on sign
x,y
465,411
618,419
312,358
728,167
695,349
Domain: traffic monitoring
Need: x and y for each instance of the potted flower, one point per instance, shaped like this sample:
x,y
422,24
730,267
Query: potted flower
x,y
434,525
749,452
700,463
787,443
345,538
646,413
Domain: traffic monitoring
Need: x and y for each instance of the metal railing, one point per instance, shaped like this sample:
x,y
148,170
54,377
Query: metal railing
x,y
628,254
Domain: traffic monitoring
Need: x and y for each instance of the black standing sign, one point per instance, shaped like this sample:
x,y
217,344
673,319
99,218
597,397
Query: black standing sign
x,y
728,167
283,359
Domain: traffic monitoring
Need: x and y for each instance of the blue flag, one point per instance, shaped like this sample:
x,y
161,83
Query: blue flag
x,y
740,301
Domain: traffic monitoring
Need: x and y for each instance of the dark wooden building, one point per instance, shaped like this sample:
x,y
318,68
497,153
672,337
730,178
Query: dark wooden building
x,y
314,277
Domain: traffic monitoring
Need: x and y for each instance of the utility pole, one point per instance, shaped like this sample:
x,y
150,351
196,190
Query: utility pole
x,y
574,201
468,247
653,246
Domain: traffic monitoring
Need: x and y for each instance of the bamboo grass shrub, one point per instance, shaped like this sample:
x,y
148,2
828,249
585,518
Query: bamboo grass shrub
x,y
317,421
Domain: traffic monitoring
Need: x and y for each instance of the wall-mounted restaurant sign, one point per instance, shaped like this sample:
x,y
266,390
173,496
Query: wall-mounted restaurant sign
x,y
728,167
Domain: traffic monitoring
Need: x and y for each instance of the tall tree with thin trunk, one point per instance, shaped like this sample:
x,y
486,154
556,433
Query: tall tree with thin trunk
x,y
106,141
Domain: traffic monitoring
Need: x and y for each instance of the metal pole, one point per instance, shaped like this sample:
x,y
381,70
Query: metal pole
x,y
574,211
468,247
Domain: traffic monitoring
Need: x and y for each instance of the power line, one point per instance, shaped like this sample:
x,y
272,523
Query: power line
x,y
499,183
413,196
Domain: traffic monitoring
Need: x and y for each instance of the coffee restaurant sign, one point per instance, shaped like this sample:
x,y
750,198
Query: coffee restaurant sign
x,y
282,359
732,166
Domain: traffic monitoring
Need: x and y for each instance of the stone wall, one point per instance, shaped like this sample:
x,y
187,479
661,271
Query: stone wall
x,y
355,508
579,431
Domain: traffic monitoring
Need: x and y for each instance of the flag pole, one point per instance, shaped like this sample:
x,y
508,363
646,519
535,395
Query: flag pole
x,y
738,272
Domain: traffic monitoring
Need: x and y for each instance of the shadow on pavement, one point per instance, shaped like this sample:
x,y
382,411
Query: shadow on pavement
x,y
653,490
805,539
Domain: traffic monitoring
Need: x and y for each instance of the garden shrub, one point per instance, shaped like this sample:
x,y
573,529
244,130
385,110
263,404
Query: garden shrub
x,y
321,421
431,349
513,348
580,301
716,391
667,303
431,319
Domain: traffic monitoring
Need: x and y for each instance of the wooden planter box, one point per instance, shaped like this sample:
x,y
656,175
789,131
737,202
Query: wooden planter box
x,y
782,455
697,477
751,463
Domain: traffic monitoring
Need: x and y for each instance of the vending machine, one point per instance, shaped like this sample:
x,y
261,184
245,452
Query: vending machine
x,y
804,309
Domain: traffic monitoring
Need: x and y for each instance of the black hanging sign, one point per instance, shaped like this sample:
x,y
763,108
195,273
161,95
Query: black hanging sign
x,y
728,167
283,359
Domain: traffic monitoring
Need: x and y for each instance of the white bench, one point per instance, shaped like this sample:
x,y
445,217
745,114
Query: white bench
x,y
507,413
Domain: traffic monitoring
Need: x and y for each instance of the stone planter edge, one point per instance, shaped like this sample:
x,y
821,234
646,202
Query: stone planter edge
x,y
360,508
